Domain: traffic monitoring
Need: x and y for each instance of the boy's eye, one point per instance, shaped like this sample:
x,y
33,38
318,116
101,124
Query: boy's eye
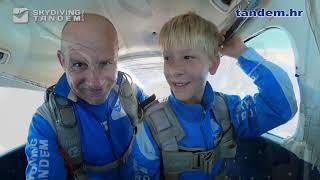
x,y
188,57
166,58
106,63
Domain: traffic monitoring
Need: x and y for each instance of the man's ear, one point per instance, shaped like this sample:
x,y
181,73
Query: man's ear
x,y
214,65
61,59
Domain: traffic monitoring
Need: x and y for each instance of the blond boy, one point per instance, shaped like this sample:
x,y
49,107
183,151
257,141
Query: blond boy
x,y
196,127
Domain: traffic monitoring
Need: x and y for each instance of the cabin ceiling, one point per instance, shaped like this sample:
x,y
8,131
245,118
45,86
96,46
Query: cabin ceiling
x,y
33,45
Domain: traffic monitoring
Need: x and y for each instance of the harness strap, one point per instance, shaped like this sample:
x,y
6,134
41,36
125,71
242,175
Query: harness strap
x,y
67,160
226,139
164,125
167,132
128,99
177,162
59,113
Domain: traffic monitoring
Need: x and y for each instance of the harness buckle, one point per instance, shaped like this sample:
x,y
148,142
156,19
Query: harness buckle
x,y
205,160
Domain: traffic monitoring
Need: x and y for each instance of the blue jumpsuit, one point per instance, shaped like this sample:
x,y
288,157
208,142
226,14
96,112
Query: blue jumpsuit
x,y
251,116
105,132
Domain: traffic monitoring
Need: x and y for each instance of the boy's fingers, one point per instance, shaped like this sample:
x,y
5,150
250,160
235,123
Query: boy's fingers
x,y
220,38
224,32
222,50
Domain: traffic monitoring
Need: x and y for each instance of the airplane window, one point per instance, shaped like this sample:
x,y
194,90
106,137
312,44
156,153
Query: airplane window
x,y
16,109
141,70
274,45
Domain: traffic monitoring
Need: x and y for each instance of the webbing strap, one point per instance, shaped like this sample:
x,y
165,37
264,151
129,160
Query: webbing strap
x,y
58,112
226,139
128,99
68,132
68,161
164,125
177,162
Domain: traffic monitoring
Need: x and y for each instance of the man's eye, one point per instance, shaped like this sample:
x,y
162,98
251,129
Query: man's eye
x,y
78,66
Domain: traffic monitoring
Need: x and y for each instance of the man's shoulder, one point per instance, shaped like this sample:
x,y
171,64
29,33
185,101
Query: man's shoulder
x,y
40,127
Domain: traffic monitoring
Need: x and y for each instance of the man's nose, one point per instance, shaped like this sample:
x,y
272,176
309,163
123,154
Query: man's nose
x,y
95,79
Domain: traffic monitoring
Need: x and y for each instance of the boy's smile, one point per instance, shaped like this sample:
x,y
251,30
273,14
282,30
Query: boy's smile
x,y
180,85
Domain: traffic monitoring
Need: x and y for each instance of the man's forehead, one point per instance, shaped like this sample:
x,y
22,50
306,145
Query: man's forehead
x,y
96,33
91,22
84,52
90,41
93,47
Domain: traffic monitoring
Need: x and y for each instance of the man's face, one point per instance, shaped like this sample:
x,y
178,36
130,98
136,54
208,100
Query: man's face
x,y
186,72
91,72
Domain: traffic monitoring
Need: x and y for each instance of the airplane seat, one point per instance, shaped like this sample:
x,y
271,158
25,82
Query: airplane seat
x,y
263,159
13,164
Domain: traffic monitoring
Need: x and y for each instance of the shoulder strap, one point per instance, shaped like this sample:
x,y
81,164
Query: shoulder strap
x,y
220,110
58,111
128,100
164,125
225,141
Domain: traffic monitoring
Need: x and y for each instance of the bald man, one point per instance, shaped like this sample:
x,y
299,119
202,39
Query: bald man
x,y
83,130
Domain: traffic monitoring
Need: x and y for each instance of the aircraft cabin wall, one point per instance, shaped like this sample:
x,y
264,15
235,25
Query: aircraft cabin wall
x,y
306,55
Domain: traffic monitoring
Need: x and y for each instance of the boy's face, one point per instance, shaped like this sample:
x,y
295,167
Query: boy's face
x,y
186,72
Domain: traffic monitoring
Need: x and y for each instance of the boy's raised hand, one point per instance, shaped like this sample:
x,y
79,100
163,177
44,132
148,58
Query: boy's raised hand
x,y
234,47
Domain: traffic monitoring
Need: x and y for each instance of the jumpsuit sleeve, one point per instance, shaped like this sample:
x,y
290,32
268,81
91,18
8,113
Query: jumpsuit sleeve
x,y
42,152
273,105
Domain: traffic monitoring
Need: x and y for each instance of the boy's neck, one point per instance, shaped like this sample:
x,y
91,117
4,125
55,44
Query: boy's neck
x,y
194,99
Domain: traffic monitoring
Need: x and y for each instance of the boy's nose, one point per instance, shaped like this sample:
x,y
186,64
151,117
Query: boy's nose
x,y
177,68
178,73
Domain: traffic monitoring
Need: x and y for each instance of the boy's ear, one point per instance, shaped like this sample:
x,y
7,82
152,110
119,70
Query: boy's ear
x,y
214,65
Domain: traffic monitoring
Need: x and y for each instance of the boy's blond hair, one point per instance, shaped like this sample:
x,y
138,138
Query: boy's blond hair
x,y
190,31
